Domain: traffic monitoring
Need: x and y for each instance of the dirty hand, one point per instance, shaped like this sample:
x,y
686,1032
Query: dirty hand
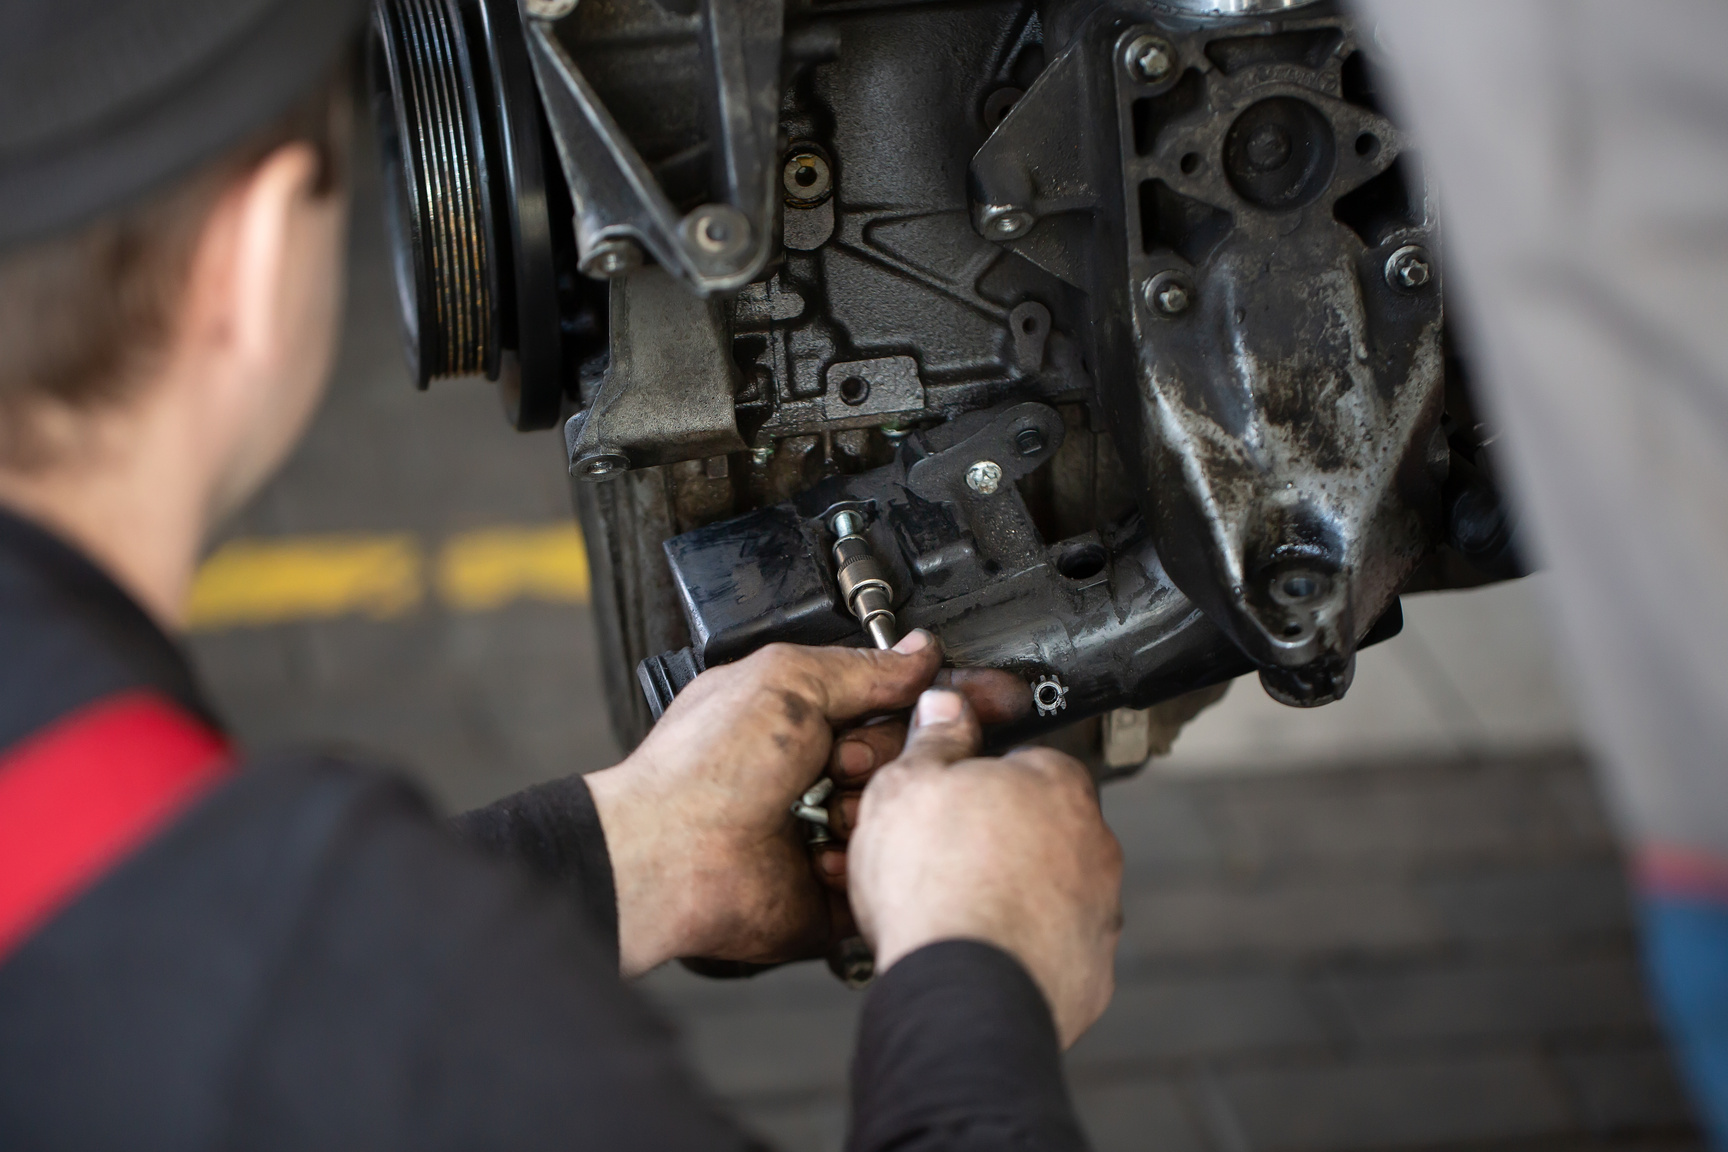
x,y
1012,851
706,856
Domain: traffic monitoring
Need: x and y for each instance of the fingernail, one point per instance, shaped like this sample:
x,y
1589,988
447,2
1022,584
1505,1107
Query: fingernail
x,y
914,641
937,707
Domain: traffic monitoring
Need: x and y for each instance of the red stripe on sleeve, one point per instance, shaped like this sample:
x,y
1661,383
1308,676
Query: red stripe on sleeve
x,y
80,794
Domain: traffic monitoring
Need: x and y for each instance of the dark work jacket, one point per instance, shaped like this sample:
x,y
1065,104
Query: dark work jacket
x,y
307,958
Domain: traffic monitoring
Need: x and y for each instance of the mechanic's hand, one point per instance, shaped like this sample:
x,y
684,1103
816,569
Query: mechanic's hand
x,y
1013,852
706,855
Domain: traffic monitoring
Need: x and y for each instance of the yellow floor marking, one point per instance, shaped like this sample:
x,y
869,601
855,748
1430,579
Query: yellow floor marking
x,y
259,581
263,581
492,566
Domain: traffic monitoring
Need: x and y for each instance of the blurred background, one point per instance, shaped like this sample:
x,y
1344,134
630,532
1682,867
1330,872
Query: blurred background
x,y
1393,922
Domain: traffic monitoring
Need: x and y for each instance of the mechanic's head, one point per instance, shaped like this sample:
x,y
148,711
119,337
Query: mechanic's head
x,y
172,210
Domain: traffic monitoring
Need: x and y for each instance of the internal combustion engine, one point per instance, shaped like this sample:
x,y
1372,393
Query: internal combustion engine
x,y
1102,338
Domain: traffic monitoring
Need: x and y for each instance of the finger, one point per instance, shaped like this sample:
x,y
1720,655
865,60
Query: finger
x,y
1051,763
843,814
944,729
852,682
860,751
996,696
831,868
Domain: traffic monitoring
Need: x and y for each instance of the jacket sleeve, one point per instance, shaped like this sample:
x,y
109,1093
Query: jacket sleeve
x,y
554,831
957,1048
957,1051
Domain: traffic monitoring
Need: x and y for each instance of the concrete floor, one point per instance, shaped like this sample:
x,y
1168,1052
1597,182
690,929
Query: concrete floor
x,y
1394,922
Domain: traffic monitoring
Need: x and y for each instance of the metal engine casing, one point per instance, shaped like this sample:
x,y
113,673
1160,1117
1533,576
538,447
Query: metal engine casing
x,y
831,230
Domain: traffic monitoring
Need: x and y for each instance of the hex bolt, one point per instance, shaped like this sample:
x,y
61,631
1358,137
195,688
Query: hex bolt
x,y
1030,441
1168,294
611,257
1009,223
1409,268
1150,58
762,456
984,477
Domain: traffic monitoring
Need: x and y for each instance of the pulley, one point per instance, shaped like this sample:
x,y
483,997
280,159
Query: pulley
x,y
466,192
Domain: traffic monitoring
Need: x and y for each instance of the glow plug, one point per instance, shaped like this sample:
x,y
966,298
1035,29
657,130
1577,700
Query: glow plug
x,y
863,583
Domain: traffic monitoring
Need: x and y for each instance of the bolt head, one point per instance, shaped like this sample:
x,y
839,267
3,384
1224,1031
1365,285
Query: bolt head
x,y
1409,268
1150,58
1168,294
1010,223
601,465
1030,441
719,232
611,257
984,477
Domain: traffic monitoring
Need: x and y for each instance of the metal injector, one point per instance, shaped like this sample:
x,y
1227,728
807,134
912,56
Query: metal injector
x,y
863,583
864,587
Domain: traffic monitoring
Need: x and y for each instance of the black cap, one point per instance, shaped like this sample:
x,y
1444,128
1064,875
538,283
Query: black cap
x,y
104,101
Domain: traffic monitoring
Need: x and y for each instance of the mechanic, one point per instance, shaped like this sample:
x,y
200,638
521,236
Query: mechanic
x,y
1582,152
203,948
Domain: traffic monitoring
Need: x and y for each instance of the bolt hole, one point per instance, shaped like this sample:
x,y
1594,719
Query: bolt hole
x,y
990,567
805,176
1292,628
854,390
1029,325
1081,562
1049,694
1190,163
1300,586
1367,144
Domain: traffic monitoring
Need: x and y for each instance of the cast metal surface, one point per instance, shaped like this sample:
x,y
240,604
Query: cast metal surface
x,y
1118,326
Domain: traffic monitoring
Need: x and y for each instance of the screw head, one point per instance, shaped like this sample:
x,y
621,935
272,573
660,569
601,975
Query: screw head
x,y
601,465
611,257
984,477
1030,441
1169,294
1150,58
1008,223
846,523
718,231
1409,268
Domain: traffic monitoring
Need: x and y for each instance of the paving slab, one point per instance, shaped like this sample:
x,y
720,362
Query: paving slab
x,y
1425,1103
1533,998
1138,1117
1199,1016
